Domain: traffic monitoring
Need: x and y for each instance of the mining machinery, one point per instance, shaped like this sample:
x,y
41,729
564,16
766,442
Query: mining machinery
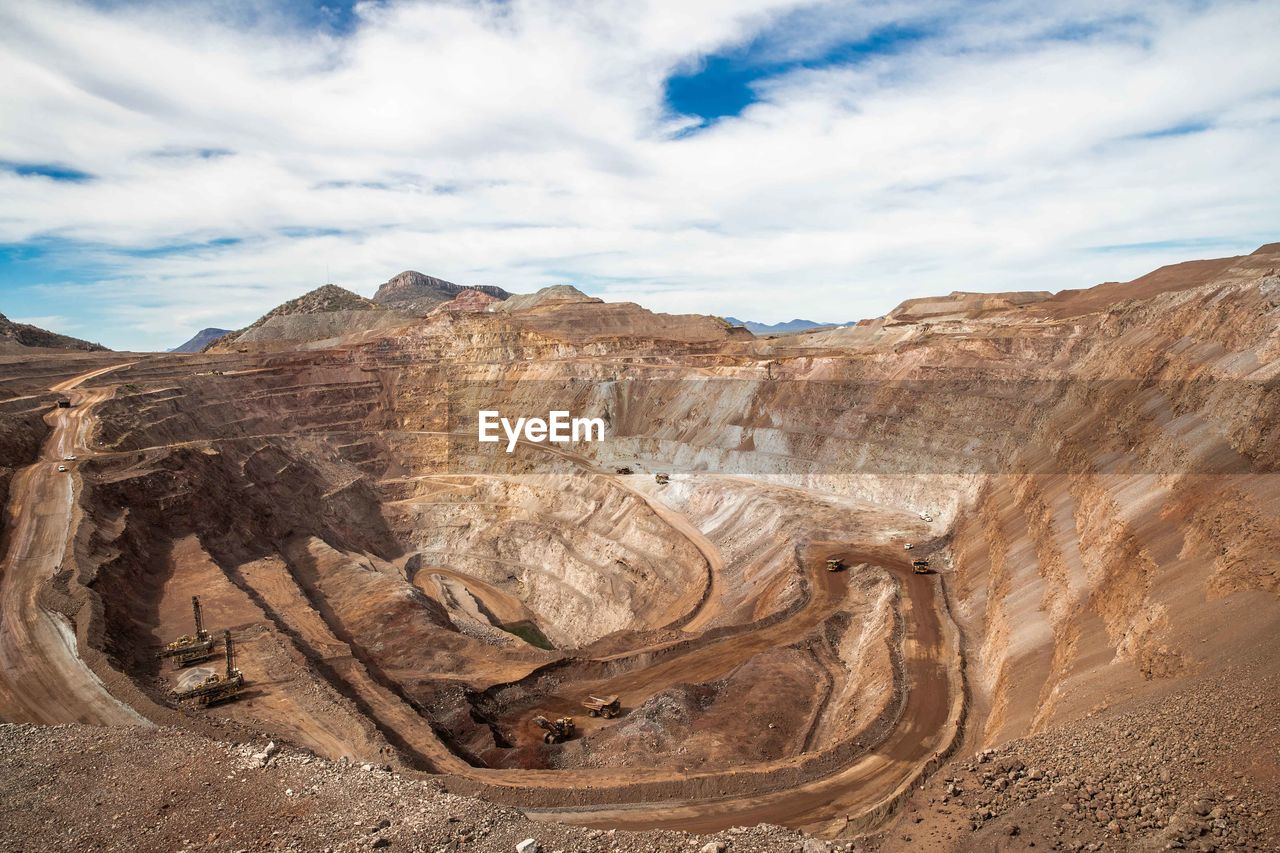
x,y
558,730
920,567
188,649
661,479
216,688
624,470
834,565
607,707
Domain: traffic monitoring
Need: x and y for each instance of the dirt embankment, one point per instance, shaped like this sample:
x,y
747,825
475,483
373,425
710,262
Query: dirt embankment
x,y
1146,505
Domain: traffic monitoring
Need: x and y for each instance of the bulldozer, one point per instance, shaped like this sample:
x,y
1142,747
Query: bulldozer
x,y
661,479
188,649
920,567
834,565
558,730
215,688
607,707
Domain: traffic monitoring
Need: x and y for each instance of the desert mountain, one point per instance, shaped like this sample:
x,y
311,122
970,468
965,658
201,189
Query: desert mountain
x,y
324,313
565,313
784,328
555,295
16,335
414,293
468,301
963,305
201,339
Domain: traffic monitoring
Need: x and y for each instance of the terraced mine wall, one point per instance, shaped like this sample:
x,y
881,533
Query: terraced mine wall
x,y
975,433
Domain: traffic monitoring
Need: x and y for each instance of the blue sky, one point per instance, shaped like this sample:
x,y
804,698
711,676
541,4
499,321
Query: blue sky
x,y
169,166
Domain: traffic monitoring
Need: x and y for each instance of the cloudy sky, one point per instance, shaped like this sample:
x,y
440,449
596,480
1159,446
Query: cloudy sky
x,y
169,166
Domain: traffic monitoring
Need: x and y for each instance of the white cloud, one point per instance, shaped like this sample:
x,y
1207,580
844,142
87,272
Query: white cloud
x,y
527,142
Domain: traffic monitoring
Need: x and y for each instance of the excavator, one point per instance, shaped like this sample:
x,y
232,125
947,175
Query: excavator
x,y
188,649
607,707
558,730
661,479
216,688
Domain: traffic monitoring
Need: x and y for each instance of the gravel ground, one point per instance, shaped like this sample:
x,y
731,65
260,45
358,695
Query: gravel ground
x,y
1198,769
84,788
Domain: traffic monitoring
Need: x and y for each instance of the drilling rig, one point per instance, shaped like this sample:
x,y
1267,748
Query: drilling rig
x,y
188,649
216,688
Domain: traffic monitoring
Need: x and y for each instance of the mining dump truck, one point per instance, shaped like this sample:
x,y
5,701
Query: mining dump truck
x,y
920,567
608,707
556,731
188,649
834,565
661,479
64,403
216,688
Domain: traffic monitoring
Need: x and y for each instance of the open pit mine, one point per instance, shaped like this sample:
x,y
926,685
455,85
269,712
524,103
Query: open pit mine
x,y
989,572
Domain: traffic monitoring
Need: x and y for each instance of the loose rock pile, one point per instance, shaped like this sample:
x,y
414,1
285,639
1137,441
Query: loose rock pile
x,y
1189,774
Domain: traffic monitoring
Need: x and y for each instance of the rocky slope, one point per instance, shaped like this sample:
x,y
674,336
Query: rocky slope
x,y
466,302
328,312
16,336
414,293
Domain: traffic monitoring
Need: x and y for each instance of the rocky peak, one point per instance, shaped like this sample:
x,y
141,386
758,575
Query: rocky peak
x,y
411,289
328,297
411,285
556,294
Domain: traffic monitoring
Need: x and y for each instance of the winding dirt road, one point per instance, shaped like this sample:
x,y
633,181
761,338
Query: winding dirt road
x,y
42,677
860,792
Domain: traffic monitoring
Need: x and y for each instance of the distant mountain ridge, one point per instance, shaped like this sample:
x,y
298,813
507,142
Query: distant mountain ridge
x,y
23,334
201,339
413,292
778,328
